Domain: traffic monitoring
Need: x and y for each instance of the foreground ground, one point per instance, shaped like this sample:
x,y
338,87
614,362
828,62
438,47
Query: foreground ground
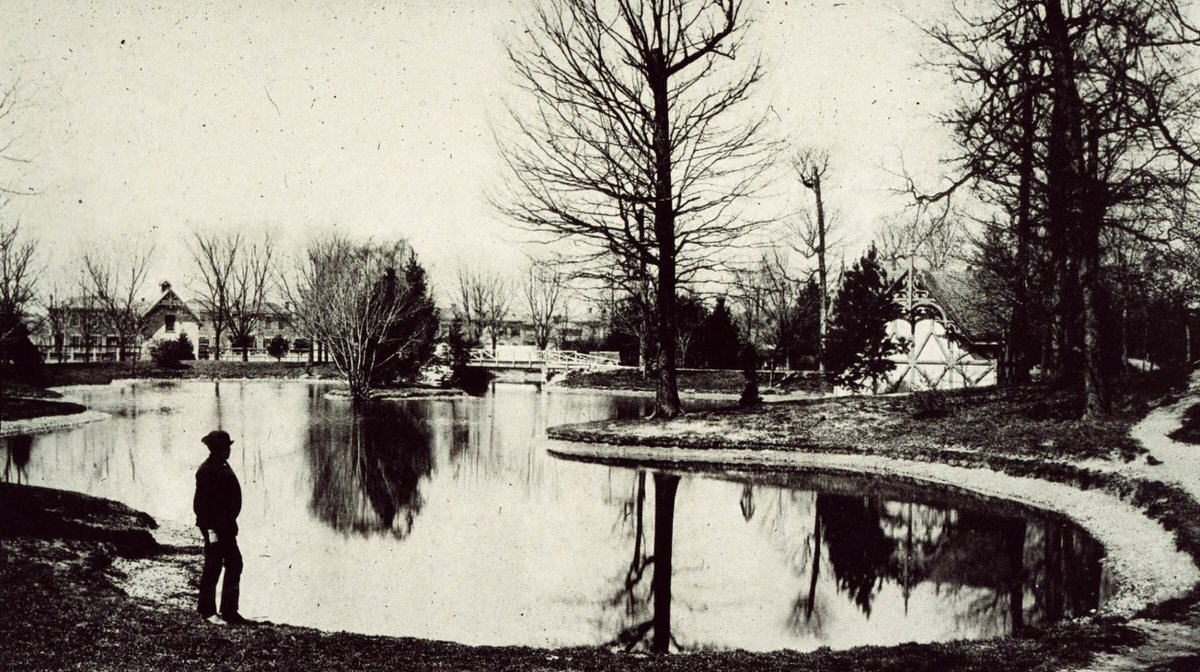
x,y
65,559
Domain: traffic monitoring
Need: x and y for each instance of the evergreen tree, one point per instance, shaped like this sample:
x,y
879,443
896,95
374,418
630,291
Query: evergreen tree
x,y
720,340
859,345
421,324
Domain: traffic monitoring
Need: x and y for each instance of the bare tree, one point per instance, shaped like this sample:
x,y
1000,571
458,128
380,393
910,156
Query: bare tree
x,y
543,290
482,302
117,288
814,235
1076,117
927,233
17,278
215,256
354,298
634,127
496,304
9,156
768,295
246,290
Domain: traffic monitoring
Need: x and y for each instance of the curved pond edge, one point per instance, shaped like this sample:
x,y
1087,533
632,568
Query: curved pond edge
x,y
1146,564
50,423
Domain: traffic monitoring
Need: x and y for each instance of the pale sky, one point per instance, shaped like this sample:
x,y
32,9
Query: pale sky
x,y
142,124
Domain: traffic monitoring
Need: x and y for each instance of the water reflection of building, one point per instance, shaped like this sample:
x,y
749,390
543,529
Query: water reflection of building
x,y
367,467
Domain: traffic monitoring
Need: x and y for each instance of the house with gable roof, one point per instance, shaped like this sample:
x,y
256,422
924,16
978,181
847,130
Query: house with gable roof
x,y
168,317
954,341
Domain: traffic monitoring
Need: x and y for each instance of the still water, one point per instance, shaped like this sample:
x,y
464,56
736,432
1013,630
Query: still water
x,y
446,519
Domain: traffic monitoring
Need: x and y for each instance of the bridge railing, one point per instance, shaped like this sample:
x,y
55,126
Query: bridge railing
x,y
533,358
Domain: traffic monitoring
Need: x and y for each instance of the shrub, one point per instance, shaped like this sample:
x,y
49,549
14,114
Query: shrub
x,y
169,353
930,405
277,347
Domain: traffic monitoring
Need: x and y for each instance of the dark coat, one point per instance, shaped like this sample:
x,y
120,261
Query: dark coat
x,y
218,499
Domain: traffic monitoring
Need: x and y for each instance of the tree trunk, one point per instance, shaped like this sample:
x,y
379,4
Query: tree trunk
x,y
822,280
666,402
665,486
1017,347
1070,197
217,331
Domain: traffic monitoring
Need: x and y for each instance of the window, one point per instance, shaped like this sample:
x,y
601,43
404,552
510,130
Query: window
x,y
170,324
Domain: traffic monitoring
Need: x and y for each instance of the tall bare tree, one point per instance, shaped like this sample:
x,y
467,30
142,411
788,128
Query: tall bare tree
x,y
236,281
215,257
815,235
247,288
117,287
497,301
482,302
1076,117
544,299
634,116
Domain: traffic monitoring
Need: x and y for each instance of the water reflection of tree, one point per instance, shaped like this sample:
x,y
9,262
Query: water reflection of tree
x,y
859,551
367,468
17,450
647,609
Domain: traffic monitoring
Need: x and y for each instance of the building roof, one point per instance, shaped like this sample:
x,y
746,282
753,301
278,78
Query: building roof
x,y
962,301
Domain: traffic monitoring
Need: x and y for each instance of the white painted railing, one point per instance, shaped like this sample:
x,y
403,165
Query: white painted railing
x,y
535,359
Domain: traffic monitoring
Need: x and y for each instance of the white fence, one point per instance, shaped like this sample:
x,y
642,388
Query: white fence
x,y
529,357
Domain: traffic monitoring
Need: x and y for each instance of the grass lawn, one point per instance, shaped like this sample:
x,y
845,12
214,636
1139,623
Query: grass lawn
x,y
1028,421
721,381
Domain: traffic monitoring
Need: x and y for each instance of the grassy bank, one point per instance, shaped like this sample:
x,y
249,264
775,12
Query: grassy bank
x,y
718,381
1024,422
103,373
60,583
22,402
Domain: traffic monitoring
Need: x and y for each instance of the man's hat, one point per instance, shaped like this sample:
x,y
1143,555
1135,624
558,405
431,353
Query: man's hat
x,y
217,438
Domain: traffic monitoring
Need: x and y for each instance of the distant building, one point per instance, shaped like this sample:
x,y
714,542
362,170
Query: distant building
x,y
520,330
74,331
954,341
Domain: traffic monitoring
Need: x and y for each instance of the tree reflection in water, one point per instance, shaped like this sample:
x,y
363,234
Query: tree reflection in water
x,y
367,466
1002,561
642,619
16,457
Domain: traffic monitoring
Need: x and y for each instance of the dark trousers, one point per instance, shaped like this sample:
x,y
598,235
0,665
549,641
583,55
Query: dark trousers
x,y
221,552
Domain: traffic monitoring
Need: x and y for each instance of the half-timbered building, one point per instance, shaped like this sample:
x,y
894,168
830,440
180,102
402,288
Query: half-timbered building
x,y
953,340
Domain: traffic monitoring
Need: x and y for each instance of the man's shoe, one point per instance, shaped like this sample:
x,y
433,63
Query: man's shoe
x,y
236,619
214,619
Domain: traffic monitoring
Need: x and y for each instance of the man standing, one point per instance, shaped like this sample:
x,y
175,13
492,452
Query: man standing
x,y
217,503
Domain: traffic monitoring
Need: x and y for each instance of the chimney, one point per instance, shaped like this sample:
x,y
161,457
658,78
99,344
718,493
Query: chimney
x,y
165,286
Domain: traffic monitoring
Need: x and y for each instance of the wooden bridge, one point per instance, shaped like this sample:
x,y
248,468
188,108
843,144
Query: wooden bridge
x,y
532,359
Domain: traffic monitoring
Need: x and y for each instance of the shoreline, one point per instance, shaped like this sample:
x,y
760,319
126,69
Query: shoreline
x,y
1141,553
49,423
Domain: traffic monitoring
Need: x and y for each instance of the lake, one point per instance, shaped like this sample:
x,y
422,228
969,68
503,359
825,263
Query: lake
x,y
446,519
